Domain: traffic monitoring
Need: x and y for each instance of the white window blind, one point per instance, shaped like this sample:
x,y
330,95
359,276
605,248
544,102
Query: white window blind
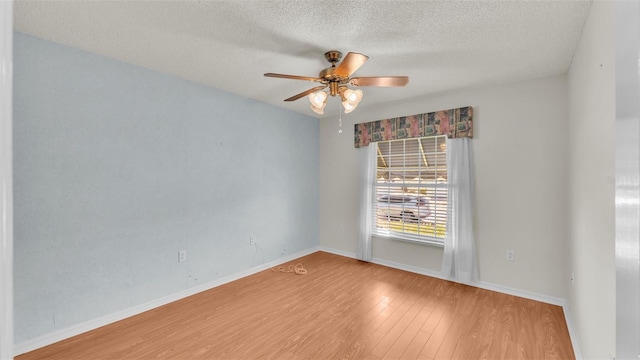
x,y
410,192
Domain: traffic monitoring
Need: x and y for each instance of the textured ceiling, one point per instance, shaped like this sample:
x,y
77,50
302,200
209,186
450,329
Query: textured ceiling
x,y
440,45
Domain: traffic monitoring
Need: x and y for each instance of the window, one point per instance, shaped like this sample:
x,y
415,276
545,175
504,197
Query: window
x,y
410,191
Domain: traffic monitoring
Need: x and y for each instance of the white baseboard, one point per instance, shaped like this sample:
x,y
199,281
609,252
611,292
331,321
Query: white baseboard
x,y
74,330
520,293
572,331
483,285
338,252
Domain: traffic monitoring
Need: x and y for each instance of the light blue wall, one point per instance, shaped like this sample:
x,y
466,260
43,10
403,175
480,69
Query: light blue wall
x,y
117,168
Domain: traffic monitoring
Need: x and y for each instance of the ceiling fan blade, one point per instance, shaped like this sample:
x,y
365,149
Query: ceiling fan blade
x,y
305,93
294,77
380,81
351,62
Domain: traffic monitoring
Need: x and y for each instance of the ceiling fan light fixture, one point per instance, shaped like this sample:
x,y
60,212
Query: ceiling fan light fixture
x,y
318,99
350,99
318,110
353,96
348,107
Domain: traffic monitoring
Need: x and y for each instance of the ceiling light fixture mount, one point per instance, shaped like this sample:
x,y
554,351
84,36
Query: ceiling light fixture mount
x,y
337,79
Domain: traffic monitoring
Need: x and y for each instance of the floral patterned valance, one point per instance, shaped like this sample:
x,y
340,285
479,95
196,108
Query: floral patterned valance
x,y
455,123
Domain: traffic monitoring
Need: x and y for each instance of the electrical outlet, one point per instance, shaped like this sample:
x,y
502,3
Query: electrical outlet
x,y
511,255
182,255
284,251
252,241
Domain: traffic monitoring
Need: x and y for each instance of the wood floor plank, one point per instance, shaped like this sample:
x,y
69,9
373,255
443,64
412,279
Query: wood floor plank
x,y
466,301
438,325
341,309
414,348
408,331
394,333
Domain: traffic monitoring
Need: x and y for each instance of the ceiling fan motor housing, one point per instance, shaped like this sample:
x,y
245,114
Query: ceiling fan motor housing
x,y
333,56
328,74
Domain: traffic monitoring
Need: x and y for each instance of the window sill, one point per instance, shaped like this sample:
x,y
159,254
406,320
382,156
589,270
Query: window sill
x,y
423,240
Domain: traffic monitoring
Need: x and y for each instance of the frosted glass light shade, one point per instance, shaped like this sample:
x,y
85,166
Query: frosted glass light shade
x,y
348,107
318,99
353,96
351,99
318,110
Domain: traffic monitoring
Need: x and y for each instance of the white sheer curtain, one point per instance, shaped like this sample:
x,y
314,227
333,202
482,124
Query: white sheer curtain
x,y
368,160
459,261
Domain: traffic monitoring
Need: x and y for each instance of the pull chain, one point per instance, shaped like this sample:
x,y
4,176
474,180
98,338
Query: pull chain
x,y
340,119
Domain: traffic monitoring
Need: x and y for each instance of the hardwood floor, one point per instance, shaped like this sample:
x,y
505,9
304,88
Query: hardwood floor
x,y
341,309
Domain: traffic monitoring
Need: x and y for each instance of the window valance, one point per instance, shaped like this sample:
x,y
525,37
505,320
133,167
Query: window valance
x,y
455,123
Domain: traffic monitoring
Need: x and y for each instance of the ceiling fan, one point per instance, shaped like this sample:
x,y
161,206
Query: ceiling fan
x,y
337,78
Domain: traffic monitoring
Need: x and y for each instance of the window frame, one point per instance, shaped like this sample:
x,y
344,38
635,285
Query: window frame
x,y
436,187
